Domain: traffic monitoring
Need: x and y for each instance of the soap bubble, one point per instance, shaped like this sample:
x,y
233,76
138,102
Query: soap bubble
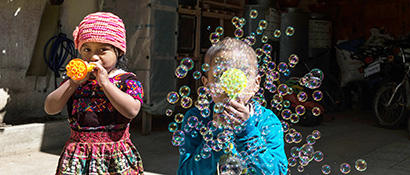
x,y
172,97
181,71
292,162
186,102
297,137
282,66
317,95
235,21
290,31
218,108
345,168
253,14
264,39
188,62
300,110
172,127
179,118
242,21
178,138
286,103
276,33
196,75
205,113
310,140
285,126
208,136
316,111
286,113
259,52
219,30
302,96
168,112
267,48
192,121
306,152
282,89
259,31
205,67
326,169
318,156
263,24
316,134
288,138
300,168
293,59
214,37
194,134
184,91
360,165
238,33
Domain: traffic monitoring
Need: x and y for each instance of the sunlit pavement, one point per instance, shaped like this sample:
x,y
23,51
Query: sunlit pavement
x,y
346,137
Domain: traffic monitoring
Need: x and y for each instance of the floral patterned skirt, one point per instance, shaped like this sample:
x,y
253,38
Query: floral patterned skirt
x,y
100,153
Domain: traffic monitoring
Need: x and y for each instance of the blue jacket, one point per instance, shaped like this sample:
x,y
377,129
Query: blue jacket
x,y
263,132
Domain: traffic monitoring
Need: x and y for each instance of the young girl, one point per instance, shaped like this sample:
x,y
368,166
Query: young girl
x,y
259,144
101,105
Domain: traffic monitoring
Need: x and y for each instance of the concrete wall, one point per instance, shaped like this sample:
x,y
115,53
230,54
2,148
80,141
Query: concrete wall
x,y
22,96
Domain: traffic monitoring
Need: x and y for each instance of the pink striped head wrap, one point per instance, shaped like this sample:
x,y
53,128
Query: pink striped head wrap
x,y
101,27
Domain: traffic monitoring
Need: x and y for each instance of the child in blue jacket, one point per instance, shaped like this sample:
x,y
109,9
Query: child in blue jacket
x,y
251,135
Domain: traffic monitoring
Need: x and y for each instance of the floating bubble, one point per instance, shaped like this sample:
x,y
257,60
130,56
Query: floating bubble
x,y
316,111
297,137
282,66
182,150
277,98
288,138
242,21
222,137
4,51
259,31
203,130
181,71
294,118
306,152
271,66
290,31
205,113
186,102
179,118
286,113
238,33
172,97
361,165
202,90
310,140
316,134
300,110
219,30
192,121
172,127
300,168
318,156
286,103
345,168
326,169
194,134
188,62
276,76
263,24
293,59
235,21
253,14
276,33
205,67
302,96
218,108
168,112
196,75
290,90
184,91
250,40
212,125
197,157
292,162
208,136
282,89
178,138
279,107
285,126
264,39
214,37
317,95
208,28
267,48
259,52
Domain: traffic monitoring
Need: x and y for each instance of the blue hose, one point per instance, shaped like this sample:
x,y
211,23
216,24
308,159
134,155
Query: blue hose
x,y
56,52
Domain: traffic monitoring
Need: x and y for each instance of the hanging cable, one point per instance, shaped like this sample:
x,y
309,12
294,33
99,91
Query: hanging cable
x,y
56,52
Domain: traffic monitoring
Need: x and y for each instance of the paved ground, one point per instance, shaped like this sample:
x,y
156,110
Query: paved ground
x,y
348,137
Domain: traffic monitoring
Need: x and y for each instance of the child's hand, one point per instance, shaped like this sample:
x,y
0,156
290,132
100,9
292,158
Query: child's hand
x,y
236,112
100,73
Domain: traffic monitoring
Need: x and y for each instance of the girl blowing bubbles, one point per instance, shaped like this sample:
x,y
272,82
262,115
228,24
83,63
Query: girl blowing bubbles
x,y
258,145
101,105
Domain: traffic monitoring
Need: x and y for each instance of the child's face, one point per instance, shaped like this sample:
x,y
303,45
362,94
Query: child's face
x,y
105,54
252,77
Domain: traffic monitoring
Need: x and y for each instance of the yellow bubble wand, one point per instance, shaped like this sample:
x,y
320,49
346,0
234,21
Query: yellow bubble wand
x,y
233,82
77,69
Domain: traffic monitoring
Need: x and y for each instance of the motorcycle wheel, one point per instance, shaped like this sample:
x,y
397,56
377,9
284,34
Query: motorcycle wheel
x,y
394,115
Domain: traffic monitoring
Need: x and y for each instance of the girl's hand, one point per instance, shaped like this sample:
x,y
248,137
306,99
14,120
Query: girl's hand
x,y
236,112
100,74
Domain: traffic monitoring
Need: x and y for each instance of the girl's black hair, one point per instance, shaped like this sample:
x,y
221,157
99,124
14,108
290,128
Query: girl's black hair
x,y
121,60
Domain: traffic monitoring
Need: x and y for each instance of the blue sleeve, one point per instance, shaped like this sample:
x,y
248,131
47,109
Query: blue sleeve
x,y
193,146
262,143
